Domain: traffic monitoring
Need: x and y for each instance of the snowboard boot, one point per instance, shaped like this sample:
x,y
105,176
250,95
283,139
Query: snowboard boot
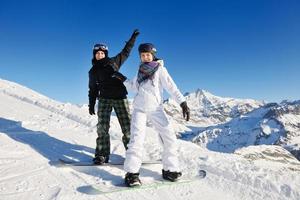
x,y
171,176
132,180
100,160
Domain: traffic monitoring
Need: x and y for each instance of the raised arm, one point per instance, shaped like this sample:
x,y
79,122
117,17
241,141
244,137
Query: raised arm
x,y
123,55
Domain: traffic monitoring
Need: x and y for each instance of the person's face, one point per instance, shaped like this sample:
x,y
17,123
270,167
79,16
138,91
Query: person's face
x,y
146,57
99,55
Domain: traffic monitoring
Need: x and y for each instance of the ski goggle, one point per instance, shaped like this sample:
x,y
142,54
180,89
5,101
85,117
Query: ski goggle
x,y
102,47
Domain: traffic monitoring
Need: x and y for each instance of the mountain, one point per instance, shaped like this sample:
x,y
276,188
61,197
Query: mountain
x,y
208,109
36,130
262,154
271,124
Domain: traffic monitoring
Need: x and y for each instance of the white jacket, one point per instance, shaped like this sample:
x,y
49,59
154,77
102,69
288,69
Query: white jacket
x,y
149,95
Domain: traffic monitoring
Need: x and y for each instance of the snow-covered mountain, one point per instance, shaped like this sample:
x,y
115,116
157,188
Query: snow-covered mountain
x,y
262,154
271,124
208,109
35,131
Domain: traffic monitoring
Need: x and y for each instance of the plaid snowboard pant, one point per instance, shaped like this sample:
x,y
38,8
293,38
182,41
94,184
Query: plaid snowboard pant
x,y
121,107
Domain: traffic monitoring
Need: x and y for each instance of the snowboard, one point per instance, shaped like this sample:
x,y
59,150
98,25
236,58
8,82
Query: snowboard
x,y
62,162
99,189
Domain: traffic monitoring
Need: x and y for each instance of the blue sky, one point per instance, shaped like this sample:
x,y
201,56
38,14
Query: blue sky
x,y
241,49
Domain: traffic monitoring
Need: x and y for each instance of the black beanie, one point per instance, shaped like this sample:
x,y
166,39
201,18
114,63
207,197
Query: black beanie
x,y
147,47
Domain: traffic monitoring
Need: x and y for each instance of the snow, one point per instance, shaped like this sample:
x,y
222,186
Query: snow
x,y
207,109
35,131
272,124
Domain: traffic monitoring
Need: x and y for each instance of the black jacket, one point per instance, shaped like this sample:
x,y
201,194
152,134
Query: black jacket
x,y
101,82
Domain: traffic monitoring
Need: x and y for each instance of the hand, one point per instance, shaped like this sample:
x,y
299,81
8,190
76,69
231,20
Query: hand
x,y
185,111
119,76
92,109
135,33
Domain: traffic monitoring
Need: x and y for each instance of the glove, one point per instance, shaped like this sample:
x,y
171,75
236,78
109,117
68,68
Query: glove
x,y
119,76
185,111
92,109
135,33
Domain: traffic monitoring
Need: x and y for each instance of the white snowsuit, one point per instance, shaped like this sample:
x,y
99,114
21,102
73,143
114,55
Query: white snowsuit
x,y
148,104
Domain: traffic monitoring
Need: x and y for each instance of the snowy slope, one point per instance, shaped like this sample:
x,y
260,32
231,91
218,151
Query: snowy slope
x,y
273,123
35,131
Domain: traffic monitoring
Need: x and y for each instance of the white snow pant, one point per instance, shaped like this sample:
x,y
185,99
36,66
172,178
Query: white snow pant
x,y
135,149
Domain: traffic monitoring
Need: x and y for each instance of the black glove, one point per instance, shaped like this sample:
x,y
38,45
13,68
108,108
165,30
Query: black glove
x,y
92,109
119,76
135,33
185,111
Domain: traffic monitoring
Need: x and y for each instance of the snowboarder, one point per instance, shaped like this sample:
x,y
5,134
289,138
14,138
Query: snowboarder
x,y
111,93
149,83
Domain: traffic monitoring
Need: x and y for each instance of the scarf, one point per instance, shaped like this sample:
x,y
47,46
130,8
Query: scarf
x,y
147,70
